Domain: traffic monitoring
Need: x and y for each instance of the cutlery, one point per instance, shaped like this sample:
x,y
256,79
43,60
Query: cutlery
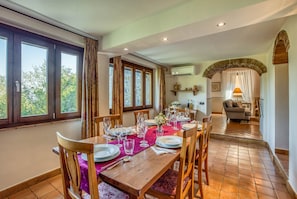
x,y
114,163
125,159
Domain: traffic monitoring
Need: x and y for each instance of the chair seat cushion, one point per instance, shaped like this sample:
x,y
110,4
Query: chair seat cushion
x,y
167,183
108,192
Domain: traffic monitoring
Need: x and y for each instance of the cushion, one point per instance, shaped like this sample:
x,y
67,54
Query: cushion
x,y
168,182
108,192
235,104
229,103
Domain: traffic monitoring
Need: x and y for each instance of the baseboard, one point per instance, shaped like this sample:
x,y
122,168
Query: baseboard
x,y
14,189
281,151
282,171
216,112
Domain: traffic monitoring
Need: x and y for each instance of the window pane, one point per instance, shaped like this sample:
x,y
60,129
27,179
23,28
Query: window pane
x,y
34,96
3,78
148,88
128,83
69,83
138,88
110,85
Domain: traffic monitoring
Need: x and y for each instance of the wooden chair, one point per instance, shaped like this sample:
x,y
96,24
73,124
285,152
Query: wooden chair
x,y
115,119
71,175
192,113
179,184
145,112
201,161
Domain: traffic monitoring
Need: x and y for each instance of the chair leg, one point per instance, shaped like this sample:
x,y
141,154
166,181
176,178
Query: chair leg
x,y
206,170
200,182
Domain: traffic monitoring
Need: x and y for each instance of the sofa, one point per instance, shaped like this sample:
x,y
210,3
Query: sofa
x,y
235,111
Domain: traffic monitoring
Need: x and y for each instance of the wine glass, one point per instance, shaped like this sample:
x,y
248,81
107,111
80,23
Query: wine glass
x,y
167,115
140,124
119,131
144,143
174,121
106,128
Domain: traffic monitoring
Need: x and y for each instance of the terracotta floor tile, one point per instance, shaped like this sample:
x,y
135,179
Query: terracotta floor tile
x,y
246,194
24,194
265,190
52,195
283,195
42,188
264,183
228,195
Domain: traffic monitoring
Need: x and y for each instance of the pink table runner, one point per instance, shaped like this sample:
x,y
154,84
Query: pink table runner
x,y
150,137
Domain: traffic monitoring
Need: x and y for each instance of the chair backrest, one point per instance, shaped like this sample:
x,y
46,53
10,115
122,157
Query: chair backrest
x,y
145,112
205,137
187,163
70,169
115,119
192,113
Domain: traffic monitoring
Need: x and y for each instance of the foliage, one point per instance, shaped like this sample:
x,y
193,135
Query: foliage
x,y
160,119
34,92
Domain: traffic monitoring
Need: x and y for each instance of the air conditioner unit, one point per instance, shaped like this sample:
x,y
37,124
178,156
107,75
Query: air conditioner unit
x,y
183,70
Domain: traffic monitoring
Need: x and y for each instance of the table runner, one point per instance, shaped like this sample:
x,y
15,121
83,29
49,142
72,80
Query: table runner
x,y
150,137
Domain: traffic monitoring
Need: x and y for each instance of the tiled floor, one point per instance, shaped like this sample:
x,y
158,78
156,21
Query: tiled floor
x,y
237,169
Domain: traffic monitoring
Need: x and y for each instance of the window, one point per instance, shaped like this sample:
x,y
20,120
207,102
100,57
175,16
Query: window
x,y
137,87
40,78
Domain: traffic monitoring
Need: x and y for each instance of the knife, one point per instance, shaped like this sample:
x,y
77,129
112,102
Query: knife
x,y
113,164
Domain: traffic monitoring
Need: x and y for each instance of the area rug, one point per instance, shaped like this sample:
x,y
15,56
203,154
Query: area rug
x,y
251,122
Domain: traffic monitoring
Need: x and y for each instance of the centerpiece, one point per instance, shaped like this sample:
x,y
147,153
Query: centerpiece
x,y
160,119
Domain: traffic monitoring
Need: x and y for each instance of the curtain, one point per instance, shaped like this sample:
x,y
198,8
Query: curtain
x,y
244,79
118,87
89,89
162,97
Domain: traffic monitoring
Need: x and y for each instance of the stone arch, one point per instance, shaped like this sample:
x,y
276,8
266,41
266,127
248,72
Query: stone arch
x,y
281,47
235,63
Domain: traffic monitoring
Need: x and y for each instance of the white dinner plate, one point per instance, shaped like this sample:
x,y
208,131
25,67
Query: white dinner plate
x,y
123,130
188,126
169,141
103,152
151,122
183,119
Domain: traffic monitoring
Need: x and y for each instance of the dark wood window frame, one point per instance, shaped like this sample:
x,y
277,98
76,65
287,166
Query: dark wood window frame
x,y
135,67
15,37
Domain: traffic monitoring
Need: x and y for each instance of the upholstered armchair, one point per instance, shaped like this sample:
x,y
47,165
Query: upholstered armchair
x,y
235,111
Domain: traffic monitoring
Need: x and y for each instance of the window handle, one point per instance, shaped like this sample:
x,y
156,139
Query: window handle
x,y
17,86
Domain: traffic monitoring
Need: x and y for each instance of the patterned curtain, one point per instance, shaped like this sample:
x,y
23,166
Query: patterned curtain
x,y
162,97
118,88
89,89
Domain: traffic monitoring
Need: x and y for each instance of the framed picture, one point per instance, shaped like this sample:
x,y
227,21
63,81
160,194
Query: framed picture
x,y
215,86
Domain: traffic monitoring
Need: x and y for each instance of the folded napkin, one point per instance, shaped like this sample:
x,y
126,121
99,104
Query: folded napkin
x,y
157,151
160,151
188,126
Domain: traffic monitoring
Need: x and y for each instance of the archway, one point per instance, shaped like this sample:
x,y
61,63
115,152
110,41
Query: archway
x,y
280,60
235,63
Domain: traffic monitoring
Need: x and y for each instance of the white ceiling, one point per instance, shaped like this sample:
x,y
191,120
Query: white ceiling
x,y
190,25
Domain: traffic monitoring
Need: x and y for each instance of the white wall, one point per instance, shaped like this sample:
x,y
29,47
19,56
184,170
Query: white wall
x,y
281,107
269,95
26,152
291,28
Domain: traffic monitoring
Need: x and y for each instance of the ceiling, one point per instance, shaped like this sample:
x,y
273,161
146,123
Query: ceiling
x,y
190,25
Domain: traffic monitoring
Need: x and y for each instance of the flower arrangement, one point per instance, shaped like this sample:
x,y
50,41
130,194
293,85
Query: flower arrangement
x,y
160,119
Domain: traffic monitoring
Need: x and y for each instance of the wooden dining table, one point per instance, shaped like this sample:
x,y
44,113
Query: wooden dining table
x,y
136,176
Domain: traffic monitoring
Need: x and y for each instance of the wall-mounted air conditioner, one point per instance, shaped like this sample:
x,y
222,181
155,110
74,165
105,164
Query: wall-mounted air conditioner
x,y
183,70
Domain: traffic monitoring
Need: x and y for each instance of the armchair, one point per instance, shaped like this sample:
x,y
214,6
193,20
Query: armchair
x,y
235,111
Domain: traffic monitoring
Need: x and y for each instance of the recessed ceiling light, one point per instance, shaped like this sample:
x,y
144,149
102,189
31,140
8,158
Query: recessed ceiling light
x,y
165,39
221,24
126,49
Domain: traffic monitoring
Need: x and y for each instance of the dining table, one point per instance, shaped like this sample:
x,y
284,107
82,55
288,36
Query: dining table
x,y
145,165
142,170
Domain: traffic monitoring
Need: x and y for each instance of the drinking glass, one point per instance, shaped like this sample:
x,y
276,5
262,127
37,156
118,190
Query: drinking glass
x,y
167,115
144,143
106,128
139,125
129,146
174,121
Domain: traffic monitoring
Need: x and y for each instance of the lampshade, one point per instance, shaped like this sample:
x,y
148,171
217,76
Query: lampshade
x,y
237,92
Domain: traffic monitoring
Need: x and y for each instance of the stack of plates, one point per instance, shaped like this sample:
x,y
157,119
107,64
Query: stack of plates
x,y
169,141
104,152
150,122
183,119
123,131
